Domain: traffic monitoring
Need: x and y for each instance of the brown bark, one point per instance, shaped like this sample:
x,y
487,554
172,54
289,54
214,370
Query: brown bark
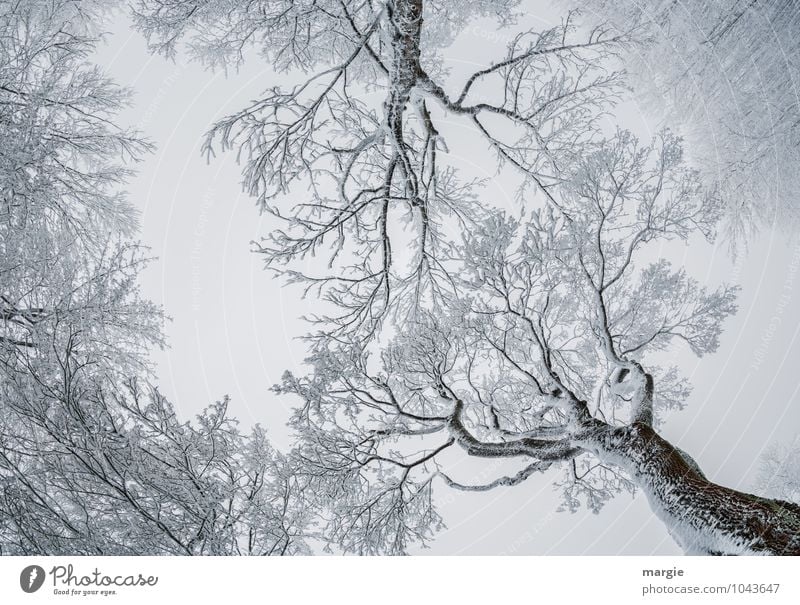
x,y
702,516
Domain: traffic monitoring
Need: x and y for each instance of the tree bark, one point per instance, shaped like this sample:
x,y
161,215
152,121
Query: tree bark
x,y
405,28
703,517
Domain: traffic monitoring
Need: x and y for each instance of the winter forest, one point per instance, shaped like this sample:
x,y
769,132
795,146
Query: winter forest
x,y
289,277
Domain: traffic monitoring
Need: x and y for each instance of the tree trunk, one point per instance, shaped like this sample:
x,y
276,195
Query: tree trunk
x,y
702,517
405,28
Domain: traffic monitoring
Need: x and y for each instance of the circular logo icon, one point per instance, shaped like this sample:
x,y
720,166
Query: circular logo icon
x,y
31,578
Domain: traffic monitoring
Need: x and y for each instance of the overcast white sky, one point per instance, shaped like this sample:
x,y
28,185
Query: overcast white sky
x,y
234,328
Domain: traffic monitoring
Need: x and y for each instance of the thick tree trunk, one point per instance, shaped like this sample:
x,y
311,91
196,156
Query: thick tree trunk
x,y
702,517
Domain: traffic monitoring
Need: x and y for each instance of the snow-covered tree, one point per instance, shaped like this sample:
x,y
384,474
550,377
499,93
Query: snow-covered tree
x,y
779,475
726,73
92,459
447,324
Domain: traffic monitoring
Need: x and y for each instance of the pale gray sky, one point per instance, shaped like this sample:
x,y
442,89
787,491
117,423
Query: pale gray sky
x,y
234,328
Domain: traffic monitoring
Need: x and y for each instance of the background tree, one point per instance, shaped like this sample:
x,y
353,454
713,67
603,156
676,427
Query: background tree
x,y
92,459
779,475
725,72
446,323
